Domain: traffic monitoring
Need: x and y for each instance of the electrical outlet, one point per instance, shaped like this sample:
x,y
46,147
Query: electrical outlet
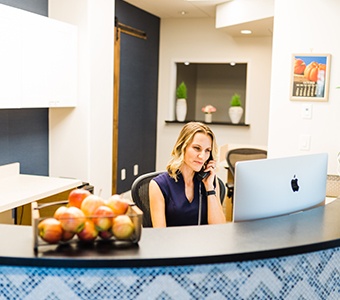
x,y
307,111
123,174
135,170
305,142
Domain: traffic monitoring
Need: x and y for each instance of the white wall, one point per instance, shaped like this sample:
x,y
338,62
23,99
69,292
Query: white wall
x,y
198,40
81,138
243,11
315,32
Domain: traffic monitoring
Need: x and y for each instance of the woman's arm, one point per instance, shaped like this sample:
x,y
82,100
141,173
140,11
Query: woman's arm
x,y
157,205
215,209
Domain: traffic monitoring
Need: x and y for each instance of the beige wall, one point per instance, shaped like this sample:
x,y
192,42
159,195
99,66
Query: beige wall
x,y
198,40
81,141
81,138
316,33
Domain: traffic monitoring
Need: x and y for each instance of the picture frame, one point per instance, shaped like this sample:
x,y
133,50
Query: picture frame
x,y
310,77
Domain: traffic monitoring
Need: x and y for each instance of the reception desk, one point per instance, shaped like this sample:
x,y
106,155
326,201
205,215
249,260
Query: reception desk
x,y
287,257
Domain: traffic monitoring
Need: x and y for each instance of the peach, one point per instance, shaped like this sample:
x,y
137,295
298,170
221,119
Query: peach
x,y
76,197
50,230
118,205
90,204
122,227
72,219
89,232
102,218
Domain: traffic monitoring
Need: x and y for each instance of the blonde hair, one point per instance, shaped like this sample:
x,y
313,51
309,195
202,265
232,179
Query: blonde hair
x,y
184,139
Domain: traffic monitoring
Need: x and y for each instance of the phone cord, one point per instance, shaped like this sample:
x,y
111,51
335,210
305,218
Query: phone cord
x,y
200,204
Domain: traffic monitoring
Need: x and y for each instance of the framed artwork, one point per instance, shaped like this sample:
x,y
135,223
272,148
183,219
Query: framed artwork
x,y
310,77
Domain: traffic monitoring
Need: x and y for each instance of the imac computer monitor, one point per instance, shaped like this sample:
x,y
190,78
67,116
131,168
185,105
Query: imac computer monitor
x,y
276,186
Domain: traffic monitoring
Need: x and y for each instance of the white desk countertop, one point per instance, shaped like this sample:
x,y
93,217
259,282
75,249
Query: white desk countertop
x,y
19,189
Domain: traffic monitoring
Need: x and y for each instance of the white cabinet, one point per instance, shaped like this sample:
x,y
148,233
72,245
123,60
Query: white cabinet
x,y
41,59
62,66
10,63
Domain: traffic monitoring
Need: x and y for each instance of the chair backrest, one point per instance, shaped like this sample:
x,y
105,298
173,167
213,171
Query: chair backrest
x,y
140,194
240,154
222,189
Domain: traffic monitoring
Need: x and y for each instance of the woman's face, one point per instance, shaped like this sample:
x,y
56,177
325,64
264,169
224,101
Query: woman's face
x,y
198,152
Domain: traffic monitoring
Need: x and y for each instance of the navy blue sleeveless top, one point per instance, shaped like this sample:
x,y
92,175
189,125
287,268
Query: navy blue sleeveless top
x,y
178,210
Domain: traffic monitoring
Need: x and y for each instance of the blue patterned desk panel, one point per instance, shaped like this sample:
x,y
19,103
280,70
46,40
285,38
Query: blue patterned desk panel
x,y
307,276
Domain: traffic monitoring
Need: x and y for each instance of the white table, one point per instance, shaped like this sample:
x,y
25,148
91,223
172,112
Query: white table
x,y
18,189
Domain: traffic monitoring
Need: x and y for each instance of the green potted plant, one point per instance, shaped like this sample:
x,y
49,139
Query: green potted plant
x,y
235,109
181,103
181,91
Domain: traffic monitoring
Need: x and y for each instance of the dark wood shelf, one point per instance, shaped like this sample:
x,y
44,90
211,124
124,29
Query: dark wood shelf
x,y
212,123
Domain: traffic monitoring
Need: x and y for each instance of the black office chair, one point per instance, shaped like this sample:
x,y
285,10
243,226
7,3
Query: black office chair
x,y
241,154
140,194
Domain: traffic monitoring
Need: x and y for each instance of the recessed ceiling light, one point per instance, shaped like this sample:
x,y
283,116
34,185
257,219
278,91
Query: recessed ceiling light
x,y
246,31
186,63
232,63
183,12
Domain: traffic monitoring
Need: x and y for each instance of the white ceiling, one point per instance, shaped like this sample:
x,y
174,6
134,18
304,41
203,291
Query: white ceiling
x,y
200,9
173,8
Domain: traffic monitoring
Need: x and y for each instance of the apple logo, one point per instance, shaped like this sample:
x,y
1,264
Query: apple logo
x,y
295,185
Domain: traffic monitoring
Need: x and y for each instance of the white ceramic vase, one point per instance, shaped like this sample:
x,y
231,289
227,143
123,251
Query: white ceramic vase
x,y
207,118
235,114
181,109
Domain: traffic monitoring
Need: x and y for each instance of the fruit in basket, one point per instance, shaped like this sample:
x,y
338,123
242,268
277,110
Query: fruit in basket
x,y
122,227
50,230
67,235
102,218
90,204
60,210
118,205
89,232
76,197
105,235
72,219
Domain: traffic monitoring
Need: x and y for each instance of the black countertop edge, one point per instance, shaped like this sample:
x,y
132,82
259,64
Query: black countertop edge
x,y
51,262
300,233
212,123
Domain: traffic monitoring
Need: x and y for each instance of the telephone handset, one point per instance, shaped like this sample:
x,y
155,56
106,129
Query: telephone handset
x,y
201,174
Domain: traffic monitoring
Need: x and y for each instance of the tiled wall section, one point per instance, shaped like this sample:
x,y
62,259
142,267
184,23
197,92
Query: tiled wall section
x,y
309,276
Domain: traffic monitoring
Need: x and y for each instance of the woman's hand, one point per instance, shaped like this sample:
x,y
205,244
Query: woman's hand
x,y
215,210
209,180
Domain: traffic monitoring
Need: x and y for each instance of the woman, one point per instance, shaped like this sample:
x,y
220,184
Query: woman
x,y
179,197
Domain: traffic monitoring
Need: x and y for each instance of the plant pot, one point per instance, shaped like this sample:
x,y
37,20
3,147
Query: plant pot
x,y
207,118
235,114
181,109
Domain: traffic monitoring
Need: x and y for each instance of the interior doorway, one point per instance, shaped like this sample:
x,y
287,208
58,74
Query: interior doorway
x,y
135,105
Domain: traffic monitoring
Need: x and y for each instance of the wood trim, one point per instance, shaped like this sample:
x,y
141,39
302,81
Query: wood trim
x,y
131,30
115,110
119,28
